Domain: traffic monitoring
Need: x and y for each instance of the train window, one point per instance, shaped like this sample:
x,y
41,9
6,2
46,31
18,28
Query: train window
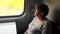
x,y
11,7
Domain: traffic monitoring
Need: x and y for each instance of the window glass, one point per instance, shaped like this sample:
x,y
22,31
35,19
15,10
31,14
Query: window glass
x,y
11,7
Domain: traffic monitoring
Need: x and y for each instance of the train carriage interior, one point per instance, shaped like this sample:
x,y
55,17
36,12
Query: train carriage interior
x,y
15,15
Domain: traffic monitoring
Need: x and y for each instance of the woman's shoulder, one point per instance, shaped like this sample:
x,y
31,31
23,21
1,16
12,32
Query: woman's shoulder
x,y
48,22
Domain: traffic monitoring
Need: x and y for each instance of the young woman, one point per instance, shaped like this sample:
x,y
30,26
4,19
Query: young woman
x,y
40,24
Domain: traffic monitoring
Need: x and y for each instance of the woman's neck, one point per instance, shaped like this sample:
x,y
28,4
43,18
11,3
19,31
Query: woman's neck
x,y
41,18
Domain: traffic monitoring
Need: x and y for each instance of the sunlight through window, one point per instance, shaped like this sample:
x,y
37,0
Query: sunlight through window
x,y
11,7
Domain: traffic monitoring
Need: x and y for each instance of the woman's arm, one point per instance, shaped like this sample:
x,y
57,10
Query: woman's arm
x,y
36,31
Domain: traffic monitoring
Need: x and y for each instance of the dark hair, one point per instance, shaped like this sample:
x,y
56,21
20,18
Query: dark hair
x,y
42,8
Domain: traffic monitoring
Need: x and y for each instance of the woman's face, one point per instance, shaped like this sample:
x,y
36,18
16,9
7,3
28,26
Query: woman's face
x,y
35,12
38,12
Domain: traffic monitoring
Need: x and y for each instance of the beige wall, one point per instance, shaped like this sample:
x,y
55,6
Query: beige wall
x,y
51,4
